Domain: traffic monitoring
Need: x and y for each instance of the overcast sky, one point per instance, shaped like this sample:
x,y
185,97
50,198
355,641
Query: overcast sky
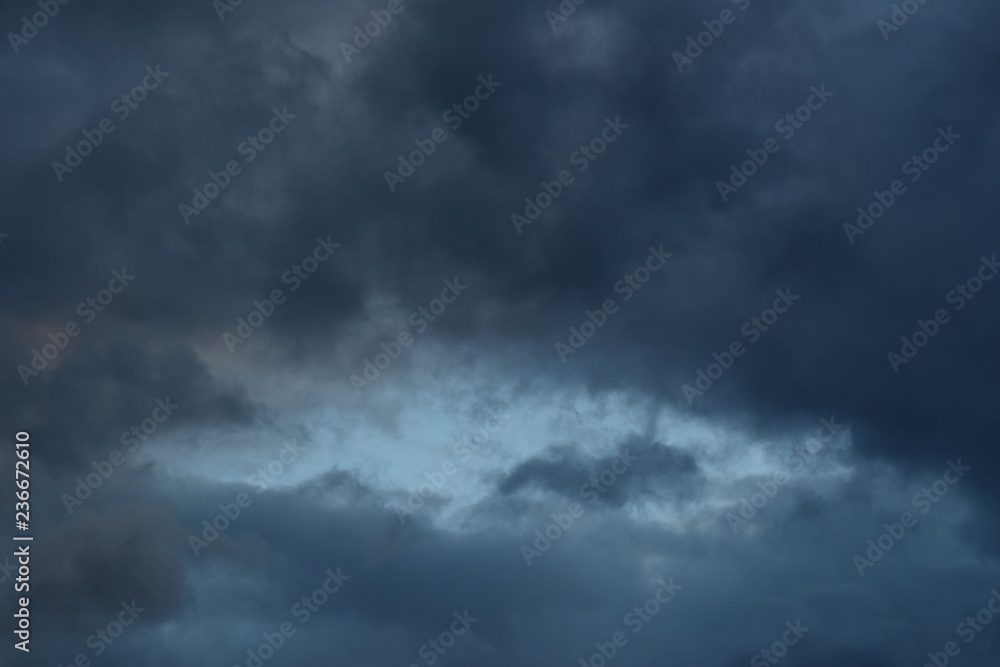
x,y
502,334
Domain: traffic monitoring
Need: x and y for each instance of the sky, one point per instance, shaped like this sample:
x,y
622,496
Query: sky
x,y
420,332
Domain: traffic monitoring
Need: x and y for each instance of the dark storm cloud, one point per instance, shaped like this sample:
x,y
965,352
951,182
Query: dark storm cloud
x,y
323,177
637,468
412,578
109,383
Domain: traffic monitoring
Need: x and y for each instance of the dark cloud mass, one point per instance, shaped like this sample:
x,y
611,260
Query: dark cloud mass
x,y
422,332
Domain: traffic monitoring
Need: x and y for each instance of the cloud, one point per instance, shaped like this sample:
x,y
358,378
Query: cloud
x,y
657,185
